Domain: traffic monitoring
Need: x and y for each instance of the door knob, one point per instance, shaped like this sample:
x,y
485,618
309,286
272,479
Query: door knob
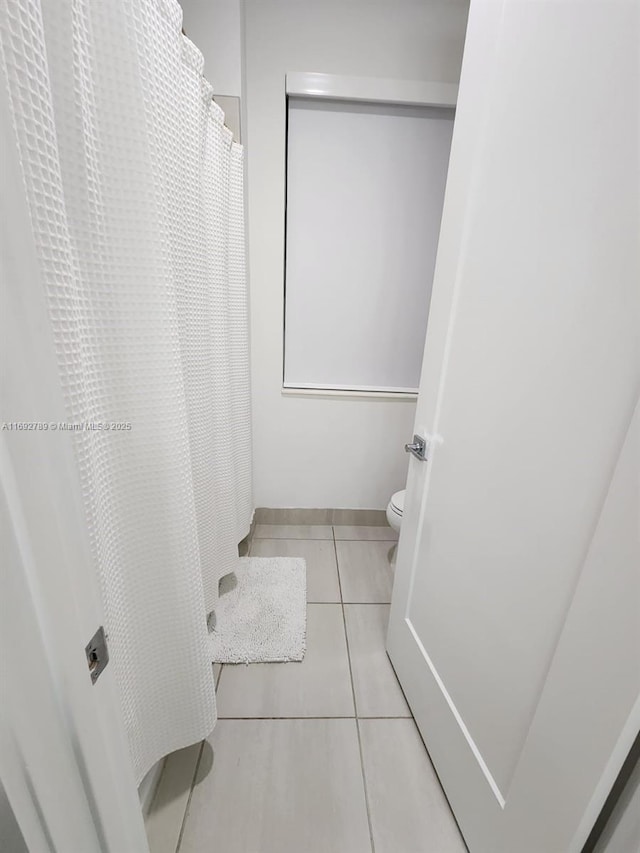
x,y
418,448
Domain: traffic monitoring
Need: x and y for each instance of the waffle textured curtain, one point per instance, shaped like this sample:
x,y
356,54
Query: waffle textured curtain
x,y
134,187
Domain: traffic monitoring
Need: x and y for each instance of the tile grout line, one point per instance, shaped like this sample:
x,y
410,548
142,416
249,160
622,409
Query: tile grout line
x,y
186,810
306,539
361,603
195,773
364,717
353,693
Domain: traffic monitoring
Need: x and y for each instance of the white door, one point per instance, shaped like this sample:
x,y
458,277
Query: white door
x,y
515,619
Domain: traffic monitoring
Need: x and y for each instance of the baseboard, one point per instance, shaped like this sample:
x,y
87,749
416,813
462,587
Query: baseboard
x,y
364,517
245,545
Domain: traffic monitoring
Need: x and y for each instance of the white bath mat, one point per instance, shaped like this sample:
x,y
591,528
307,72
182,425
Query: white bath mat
x,y
261,615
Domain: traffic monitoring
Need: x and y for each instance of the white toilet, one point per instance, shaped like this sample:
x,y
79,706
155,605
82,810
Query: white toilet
x,y
395,510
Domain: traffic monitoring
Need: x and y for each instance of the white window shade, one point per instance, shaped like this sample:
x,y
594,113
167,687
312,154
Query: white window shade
x,y
365,187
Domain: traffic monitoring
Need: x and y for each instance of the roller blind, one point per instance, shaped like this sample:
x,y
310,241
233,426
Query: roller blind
x,y
365,187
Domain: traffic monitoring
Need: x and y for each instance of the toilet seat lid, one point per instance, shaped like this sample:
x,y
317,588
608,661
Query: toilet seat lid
x,y
397,501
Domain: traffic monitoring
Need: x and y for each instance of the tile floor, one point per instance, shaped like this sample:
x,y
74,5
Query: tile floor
x,y
321,756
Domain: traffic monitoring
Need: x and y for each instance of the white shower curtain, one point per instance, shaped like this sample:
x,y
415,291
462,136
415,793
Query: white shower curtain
x,y
134,187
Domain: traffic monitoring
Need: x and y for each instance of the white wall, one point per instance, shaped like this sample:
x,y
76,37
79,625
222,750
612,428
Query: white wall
x,y
214,27
318,451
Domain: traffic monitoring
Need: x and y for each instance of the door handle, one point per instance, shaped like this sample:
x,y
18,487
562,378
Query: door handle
x,y
418,448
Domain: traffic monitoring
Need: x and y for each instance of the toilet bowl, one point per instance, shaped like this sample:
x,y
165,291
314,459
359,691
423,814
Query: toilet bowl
x,y
395,509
